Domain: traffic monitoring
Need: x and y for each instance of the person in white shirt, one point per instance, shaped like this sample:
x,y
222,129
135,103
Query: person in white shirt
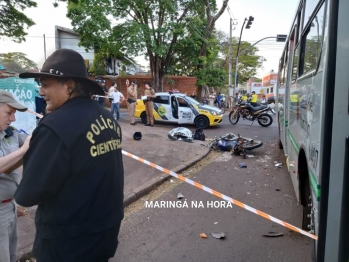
x,y
117,97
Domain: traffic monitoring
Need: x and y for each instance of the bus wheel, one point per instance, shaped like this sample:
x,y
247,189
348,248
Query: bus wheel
x,y
308,213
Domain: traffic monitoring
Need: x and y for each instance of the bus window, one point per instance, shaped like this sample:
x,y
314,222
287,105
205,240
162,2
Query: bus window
x,y
309,9
313,43
295,63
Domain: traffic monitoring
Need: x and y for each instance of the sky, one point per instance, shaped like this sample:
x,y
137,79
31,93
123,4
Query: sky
x,y
271,17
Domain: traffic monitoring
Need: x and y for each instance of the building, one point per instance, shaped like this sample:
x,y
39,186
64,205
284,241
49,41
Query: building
x,y
269,81
67,38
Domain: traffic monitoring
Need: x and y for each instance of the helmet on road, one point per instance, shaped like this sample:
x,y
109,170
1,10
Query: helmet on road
x,y
137,135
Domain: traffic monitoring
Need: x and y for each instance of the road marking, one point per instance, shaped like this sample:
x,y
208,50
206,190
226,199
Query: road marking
x,y
220,195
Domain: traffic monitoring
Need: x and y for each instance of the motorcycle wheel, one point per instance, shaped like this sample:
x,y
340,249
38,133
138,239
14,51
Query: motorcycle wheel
x,y
265,120
234,116
249,144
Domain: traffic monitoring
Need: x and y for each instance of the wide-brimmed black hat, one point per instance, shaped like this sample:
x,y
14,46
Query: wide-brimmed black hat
x,y
66,63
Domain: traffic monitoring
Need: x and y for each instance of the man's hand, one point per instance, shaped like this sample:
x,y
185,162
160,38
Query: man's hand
x,y
15,158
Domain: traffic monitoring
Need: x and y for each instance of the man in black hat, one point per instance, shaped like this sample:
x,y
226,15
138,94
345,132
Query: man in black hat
x,y
73,170
13,146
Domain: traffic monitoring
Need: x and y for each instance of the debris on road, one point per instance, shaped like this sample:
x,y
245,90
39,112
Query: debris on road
x,y
242,165
202,235
278,164
273,234
215,223
218,235
250,156
277,189
180,196
181,133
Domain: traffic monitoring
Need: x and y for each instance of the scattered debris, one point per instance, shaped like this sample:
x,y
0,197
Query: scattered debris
x,y
215,223
181,133
242,165
278,164
202,235
250,156
218,235
171,180
180,196
277,189
291,164
273,234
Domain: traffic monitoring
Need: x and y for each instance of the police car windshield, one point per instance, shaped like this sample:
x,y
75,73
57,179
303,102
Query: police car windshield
x,y
192,100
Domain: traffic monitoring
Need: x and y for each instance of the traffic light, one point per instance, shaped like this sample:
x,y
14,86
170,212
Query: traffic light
x,y
249,22
281,38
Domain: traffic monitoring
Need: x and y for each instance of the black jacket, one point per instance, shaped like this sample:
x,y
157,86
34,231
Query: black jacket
x,y
73,170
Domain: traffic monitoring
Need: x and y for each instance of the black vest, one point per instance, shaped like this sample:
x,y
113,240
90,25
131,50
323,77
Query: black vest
x,y
91,200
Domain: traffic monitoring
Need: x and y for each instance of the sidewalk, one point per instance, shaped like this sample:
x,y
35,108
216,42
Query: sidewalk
x,y
140,179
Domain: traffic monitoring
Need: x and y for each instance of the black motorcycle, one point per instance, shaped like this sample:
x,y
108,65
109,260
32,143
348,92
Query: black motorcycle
x,y
251,113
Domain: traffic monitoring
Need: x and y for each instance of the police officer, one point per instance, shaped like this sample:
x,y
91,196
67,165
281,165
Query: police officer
x,y
150,94
131,102
73,169
254,99
13,146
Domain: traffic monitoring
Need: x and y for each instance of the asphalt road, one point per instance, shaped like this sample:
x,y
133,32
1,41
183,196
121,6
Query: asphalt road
x,y
173,234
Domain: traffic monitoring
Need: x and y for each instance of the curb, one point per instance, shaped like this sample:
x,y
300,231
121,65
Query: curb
x,y
144,189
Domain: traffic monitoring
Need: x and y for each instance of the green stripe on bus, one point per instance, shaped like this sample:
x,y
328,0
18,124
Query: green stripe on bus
x,y
315,186
283,121
296,147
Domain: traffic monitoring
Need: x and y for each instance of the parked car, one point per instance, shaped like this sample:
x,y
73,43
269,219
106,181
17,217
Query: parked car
x,y
182,109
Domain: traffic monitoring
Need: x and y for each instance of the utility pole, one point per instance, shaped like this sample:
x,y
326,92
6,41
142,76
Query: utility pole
x,y
45,47
230,73
248,26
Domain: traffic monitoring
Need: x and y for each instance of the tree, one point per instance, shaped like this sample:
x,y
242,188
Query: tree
x,y
156,29
18,58
248,62
13,21
150,28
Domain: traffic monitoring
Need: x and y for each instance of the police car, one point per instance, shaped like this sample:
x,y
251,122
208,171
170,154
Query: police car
x,y
182,109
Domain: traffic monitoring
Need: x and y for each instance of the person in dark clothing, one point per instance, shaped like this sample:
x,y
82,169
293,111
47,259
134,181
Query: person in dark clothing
x,y
73,169
101,99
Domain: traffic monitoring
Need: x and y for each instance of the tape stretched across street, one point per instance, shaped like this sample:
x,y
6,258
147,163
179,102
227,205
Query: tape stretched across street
x,y
215,193
220,195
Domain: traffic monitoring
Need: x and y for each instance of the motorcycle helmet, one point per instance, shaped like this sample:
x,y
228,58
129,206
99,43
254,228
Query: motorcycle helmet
x,y
137,135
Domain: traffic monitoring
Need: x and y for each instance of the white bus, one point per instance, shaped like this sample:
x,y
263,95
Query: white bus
x,y
313,121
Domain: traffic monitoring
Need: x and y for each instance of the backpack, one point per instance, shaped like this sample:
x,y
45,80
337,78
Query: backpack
x,y
199,134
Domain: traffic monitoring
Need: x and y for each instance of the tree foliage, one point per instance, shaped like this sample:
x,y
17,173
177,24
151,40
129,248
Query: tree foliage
x,y
248,62
17,58
156,29
14,22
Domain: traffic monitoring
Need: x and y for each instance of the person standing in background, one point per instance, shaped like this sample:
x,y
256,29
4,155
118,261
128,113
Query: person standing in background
x,y
254,99
131,102
117,97
150,94
13,146
193,95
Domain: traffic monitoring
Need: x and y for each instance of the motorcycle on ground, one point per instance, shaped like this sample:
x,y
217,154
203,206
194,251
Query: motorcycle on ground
x,y
251,113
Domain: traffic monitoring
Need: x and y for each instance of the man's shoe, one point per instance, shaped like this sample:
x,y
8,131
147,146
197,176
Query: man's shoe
x,y
133,124
147,124
151,125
